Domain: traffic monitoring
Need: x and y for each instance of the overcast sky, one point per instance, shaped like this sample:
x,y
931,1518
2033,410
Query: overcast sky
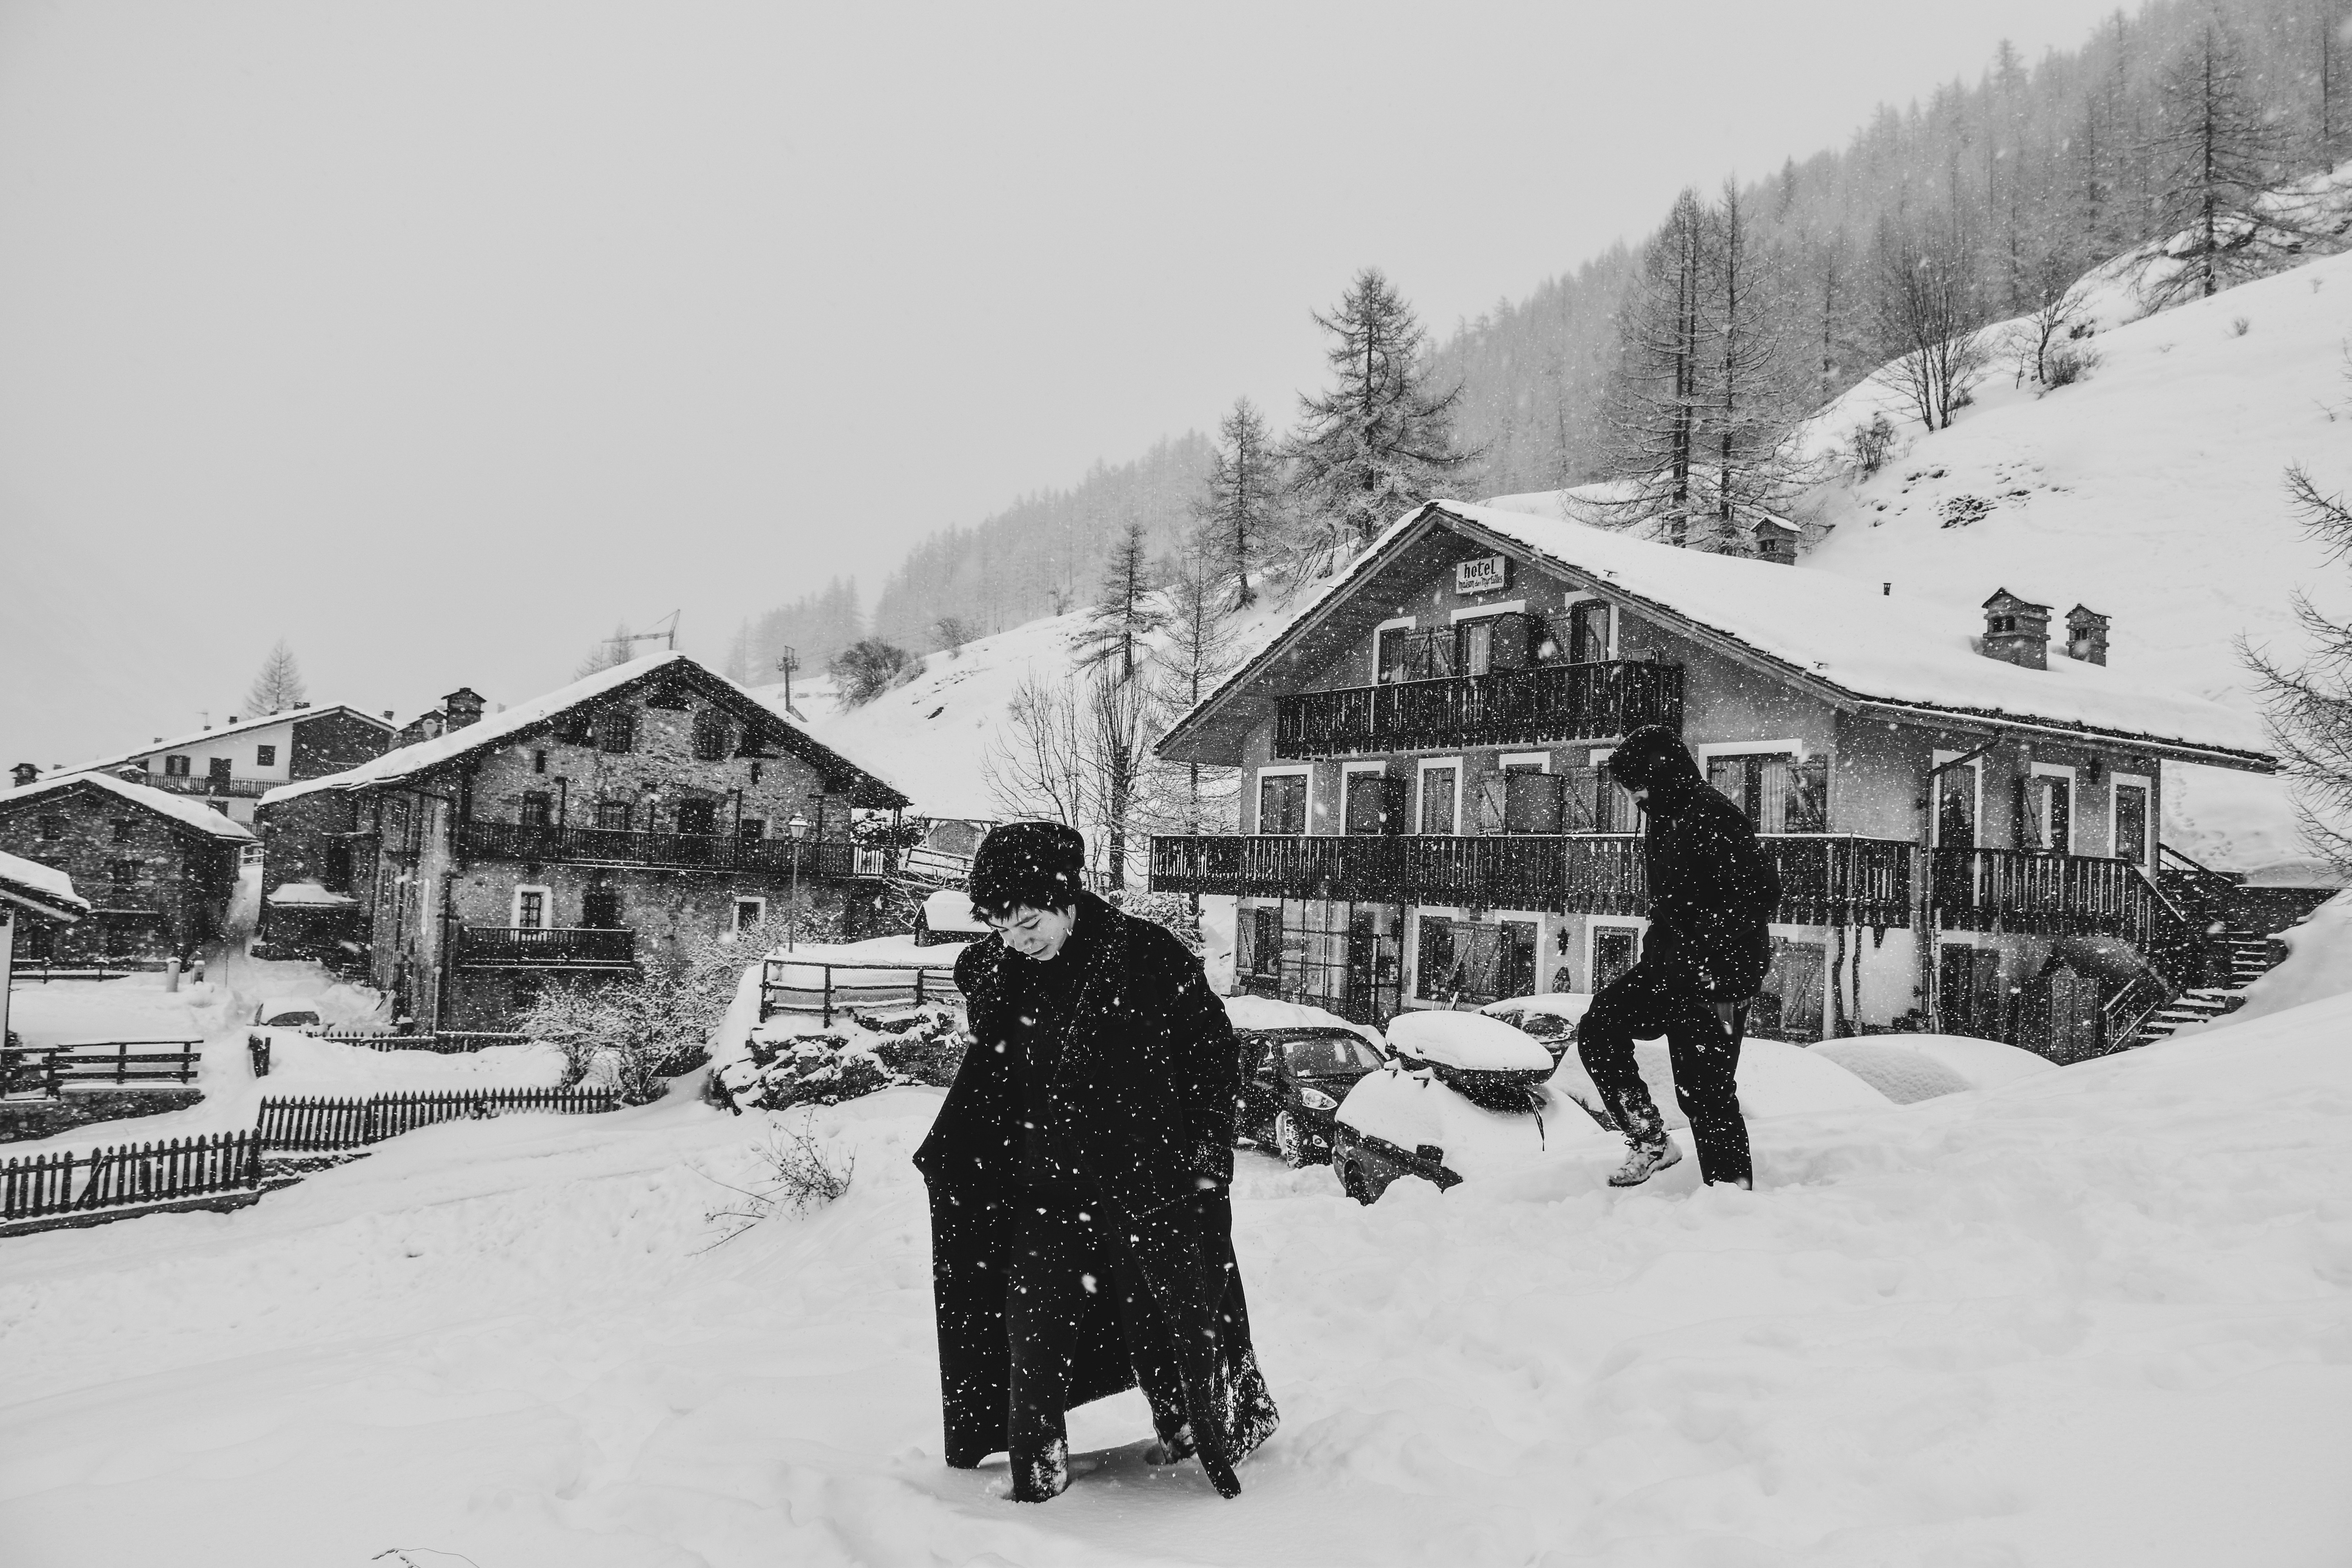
x,y
437,338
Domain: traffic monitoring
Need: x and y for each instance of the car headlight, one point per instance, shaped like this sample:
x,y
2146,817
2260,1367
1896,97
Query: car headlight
x,y
1316,1100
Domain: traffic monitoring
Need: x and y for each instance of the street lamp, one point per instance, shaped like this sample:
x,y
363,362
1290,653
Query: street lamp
x,y
798,827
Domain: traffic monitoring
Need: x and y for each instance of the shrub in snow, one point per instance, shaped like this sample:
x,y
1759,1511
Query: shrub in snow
x,y
1869,443
1173,910
910,1045
639,1032
866,670
804,1174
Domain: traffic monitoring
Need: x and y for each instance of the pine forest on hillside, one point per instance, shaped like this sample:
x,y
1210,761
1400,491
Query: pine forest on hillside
x,y
1681,368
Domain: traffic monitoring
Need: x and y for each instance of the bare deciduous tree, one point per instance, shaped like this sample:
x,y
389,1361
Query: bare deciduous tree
x,y
2310,704
1928,314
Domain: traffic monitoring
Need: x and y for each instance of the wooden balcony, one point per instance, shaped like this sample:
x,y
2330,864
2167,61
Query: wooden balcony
x,y
2042,894
1824,878
834,858
205,785
550,947
1505,707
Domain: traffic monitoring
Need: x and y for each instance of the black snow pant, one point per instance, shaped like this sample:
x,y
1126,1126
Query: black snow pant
x,y
1650,1000
1066,1251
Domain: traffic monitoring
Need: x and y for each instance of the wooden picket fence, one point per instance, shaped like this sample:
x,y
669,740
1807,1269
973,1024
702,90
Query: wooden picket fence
x,y
56,1185
446,1041
313,1123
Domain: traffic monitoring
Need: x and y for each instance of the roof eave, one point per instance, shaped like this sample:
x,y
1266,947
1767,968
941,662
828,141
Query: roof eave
x,y
2166,748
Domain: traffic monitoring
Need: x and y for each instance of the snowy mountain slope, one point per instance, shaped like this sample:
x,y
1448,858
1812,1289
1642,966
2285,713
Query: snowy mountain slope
x,y
930,736
2103,1315
2151,493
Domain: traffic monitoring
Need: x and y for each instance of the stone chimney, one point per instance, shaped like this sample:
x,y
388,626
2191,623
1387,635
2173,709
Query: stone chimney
x,y
2017,631
25,773
463,706
2086,635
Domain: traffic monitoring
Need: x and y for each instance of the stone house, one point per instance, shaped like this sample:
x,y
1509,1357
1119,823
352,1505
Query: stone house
x,y
1966,827
231,766
157,869
33,896
604,826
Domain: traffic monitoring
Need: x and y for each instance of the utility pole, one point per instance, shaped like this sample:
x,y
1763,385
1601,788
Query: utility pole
x,y
788,661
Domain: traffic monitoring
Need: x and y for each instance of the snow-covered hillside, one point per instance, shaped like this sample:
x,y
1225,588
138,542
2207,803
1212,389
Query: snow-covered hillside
x,y
2101,1315
2151,493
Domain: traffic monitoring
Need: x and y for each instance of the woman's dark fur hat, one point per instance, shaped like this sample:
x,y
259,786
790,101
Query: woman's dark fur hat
x,y
1651,756
1028,866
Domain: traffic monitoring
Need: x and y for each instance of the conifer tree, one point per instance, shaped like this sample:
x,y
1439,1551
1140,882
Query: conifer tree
x,y
604,655
1184,797
2310,705
1381,441
1240,511
1127,609
278,685
1653,400
2219,155
1748,402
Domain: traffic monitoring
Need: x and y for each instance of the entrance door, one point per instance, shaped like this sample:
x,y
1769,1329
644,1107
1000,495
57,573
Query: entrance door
x,y
1615,950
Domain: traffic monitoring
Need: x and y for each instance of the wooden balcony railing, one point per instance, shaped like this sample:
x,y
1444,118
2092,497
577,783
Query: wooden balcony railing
x,y
486,840
1824,878
1503,708
550,947
2042,894
204,783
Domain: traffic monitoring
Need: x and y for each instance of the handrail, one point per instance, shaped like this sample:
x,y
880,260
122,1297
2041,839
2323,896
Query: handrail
x,y
930,980
1503,706
490,840
553,946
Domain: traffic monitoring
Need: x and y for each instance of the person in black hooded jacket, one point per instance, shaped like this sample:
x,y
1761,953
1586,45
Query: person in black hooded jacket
x,y
1712,894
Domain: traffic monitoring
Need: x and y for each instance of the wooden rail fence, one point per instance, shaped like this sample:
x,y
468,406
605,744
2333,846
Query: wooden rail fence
x,y
870,982
52,1185
314,1123
52,1069
446,1041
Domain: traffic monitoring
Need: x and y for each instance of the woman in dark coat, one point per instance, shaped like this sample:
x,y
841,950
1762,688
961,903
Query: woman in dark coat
x,y
1081,1232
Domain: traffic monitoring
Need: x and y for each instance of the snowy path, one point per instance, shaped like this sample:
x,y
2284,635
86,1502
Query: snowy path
x,y
2104,1315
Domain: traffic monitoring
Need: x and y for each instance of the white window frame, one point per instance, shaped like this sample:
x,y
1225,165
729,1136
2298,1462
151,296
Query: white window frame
x,y
1936,759
1480,612
759,906
2074,799
1393,624
1425,763
1510,760
1594,924
546,907
1284,770
2116,783
1793,750
1568,601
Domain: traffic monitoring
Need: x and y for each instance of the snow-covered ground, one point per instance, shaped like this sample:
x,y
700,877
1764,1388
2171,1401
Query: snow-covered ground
x,y
2100,1314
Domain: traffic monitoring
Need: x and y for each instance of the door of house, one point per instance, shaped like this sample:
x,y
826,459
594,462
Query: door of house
x,y
1588,632
2131,822
2074,1022
1367,804
530,909
1517,959
1789,1007
600,909
1615,950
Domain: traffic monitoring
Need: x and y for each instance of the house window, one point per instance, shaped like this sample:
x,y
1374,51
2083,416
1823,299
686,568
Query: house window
x,y
52,827
1464,961
600,909
217,769
1780,793
124,872
750,913
698,817
670,697
710,736
1264,959
1439,786
338,868
538,808
755,772
1956,792
175,767
613,813
574,727
1282,803
530,909
123,829
2049,815
265,756
1587,631
1373,805
752,829
617,730
1615,950
1387,657
539,762
2130,816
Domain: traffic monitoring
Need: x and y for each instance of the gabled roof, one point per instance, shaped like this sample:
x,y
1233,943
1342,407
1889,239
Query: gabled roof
x,y
657,669
180,810
243,726
1816,630
44,890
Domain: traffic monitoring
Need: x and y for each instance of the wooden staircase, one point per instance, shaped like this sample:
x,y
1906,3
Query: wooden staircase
x,y
2236,951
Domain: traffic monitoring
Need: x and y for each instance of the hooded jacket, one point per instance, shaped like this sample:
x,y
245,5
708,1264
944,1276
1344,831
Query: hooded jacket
x,y
1713,889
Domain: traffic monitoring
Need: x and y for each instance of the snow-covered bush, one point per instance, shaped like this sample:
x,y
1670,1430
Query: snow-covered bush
x,y
1173,910
638,1032
805,1173
815,1066
1868,443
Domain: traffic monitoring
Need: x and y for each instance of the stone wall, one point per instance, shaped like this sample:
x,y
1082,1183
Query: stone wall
x,y
156,890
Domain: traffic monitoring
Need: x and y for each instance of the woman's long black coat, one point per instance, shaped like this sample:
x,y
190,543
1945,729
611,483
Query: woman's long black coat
x,y
1144,1087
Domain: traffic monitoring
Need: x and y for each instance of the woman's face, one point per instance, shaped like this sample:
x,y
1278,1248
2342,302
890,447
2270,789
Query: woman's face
x,y
1036,933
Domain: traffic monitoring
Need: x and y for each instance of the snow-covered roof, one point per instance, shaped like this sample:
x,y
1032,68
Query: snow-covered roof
x,y
181,809
406,762
1820,630
309,895
243,726
39,887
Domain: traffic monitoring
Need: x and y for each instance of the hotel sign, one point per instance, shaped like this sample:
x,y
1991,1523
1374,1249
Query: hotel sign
x,y
1487,574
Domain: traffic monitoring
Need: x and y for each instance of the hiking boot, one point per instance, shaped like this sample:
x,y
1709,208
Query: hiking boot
x,y
1041,1477
1643,1160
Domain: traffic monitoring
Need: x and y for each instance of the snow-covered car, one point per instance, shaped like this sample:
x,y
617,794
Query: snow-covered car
x,y
1552,1019
1293,1079
1907,1068
287,1012
1485,1058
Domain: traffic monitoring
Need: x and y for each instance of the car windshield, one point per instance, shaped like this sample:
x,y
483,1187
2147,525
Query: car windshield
x,y
1330,1053
1546,1025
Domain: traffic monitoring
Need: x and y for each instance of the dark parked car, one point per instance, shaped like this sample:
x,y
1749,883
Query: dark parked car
x,y
1293,1081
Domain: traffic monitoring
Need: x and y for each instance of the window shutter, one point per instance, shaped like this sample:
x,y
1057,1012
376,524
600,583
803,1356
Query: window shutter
x,y
1580,800
1489,806
1394,816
